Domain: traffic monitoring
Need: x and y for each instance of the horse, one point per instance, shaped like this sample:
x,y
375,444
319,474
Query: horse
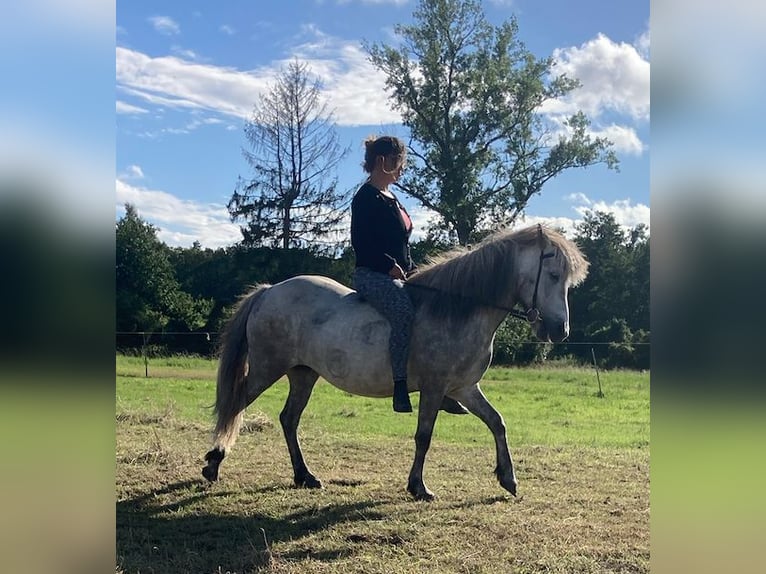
x,y
310,326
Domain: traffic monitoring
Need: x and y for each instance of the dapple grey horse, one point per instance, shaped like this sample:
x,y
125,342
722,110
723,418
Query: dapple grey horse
x,y
311,326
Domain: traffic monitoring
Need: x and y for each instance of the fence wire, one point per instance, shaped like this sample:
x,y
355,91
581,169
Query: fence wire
x,y
209,335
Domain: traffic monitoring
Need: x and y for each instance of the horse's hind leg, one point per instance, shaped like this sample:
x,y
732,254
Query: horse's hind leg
x,y
477,403
302,380
257,382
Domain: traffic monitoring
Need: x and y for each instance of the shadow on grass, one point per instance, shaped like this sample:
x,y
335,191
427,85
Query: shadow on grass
x,y
486,501
172,530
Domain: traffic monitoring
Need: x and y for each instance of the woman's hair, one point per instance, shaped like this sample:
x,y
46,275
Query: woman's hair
x,y
383,145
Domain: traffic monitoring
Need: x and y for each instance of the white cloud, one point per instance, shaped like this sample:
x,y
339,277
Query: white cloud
x,y
578,198
567,224
125,108
643,43
353,88
625,139
614,91
161,101
614,77
132,172
177,83
626,214
226,29
185,53
421,217
165,25
180,222
196,123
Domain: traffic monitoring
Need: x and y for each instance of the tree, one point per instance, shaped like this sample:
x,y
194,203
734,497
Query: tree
x,y
292,196
618,277
148,296
612,304
471,95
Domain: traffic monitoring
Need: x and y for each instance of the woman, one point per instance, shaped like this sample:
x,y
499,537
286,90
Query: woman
x,y
380,232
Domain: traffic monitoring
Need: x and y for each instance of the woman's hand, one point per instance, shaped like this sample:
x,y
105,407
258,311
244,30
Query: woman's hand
x,y
397,272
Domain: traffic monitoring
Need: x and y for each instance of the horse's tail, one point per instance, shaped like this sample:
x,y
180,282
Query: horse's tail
x,y
231,391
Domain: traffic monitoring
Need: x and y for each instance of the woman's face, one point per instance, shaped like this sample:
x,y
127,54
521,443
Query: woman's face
x,y
393,166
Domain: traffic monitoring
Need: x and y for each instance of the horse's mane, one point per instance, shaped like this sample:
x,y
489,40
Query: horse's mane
x,y
454,283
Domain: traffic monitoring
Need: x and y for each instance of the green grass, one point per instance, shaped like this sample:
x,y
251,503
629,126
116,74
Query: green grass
x,y
540,406
582,463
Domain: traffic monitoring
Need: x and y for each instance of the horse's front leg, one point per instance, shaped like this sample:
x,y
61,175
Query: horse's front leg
x,y
427,411
475,401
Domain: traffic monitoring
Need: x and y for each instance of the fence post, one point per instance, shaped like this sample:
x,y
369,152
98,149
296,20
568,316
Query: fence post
x,y
595,366
146,358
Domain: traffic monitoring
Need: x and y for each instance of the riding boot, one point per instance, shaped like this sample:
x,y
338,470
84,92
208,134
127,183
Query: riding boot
x,y
401,397
452,407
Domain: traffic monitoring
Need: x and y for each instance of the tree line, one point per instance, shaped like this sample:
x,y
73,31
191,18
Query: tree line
x,y
193,290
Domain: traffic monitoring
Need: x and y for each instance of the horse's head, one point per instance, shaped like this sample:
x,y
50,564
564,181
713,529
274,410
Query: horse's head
x,y
547,269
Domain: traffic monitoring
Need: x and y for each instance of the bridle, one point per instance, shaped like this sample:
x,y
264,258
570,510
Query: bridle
x,y
532,315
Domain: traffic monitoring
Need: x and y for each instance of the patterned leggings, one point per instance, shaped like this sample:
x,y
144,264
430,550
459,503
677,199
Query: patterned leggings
x,y
390,299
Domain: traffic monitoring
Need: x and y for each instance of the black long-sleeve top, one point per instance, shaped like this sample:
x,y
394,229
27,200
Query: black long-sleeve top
x,y
379,232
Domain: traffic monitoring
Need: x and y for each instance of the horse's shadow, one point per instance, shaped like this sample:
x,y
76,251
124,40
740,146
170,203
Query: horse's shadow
x,y
486,501
186,535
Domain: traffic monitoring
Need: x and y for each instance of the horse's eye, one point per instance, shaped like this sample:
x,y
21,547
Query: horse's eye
x,y
555,277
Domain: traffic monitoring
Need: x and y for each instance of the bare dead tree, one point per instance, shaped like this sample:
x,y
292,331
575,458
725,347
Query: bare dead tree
x,y
292,197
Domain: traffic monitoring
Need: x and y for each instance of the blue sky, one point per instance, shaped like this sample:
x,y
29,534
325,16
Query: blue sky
x,y
188,74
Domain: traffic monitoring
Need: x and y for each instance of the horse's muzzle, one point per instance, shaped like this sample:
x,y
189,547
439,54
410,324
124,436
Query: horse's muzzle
x,y
553,331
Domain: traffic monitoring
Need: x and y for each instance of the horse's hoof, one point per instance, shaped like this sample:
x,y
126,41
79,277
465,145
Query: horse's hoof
x,y
425,495
421,493
308,481
210,473
507,480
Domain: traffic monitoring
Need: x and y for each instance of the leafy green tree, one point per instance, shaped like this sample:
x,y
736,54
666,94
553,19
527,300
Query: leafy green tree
x,y
612,305
638,247
206,273
604,293
148,295
516,345
618,277
292,197
471,95
223,275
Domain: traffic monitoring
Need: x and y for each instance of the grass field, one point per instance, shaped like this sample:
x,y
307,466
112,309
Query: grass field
x,y
582,464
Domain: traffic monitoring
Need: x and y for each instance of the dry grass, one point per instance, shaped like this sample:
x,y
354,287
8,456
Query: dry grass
x,y
579,509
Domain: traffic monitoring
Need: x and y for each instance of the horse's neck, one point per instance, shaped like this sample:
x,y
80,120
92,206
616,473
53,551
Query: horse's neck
x,y
489,319
481,323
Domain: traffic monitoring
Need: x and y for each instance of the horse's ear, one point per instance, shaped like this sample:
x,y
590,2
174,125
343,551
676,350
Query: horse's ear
x,y
541,236
542,240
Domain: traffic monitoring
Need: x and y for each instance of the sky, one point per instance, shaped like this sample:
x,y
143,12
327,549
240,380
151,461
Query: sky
x,y
189,72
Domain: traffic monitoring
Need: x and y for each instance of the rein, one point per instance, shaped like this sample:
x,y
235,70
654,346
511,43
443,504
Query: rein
x,y
531,315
